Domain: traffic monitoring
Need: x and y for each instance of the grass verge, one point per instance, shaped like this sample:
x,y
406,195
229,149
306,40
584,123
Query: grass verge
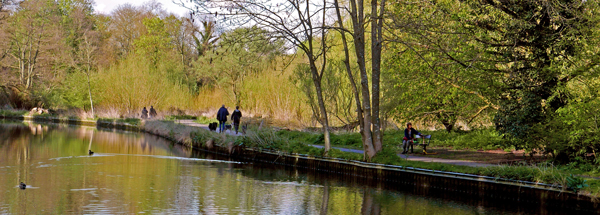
x,y
205,120
297,142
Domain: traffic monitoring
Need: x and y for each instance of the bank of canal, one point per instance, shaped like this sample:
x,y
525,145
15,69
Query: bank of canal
x,y
426,182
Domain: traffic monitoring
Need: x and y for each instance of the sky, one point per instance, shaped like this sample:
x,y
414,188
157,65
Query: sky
x,y
106,6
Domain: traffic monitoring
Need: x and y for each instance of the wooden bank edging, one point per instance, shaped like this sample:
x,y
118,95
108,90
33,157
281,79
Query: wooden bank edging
x,y
427,182
380,172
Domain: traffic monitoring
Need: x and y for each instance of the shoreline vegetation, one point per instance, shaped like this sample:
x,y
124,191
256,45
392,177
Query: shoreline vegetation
x,y
290,142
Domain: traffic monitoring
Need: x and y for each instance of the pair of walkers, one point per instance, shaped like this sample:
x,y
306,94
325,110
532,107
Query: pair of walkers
x,y
236,116
145,113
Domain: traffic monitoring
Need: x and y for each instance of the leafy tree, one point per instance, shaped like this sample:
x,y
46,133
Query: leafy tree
x,y
532,46
240,53
430,65
156,42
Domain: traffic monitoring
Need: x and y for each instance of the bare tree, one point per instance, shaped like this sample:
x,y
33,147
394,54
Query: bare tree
x,y
87,53
296,21
4,13
28,32
368,112
83,40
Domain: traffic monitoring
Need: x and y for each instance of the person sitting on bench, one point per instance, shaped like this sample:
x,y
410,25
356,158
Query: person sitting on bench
x,y
408,139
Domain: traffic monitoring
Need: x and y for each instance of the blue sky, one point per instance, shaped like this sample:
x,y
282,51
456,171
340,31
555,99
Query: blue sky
x,y
106,6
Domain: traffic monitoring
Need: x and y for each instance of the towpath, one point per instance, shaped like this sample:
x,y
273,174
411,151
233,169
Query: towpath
x,y
422,158
190,122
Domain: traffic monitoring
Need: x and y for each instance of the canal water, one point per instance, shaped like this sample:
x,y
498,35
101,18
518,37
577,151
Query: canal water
x,y
132,172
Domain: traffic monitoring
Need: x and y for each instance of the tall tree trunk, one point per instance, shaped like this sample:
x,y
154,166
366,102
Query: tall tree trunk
x,y
376,40
324,119
359,112
90,92
359,45
370,206
325,200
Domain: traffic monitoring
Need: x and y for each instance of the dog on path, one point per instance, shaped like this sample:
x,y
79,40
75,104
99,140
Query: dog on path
x,y
213,126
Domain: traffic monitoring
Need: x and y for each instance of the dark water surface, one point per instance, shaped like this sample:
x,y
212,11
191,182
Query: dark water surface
x,y
141,173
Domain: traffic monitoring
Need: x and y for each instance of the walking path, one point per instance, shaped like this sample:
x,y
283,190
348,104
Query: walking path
x,y
422,158
190,122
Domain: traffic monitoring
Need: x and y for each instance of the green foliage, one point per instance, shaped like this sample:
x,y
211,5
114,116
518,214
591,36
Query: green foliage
x,y
537,57
200,137
9,113
576,183
387,156
205,120
423,81
74,92
136,83
156,42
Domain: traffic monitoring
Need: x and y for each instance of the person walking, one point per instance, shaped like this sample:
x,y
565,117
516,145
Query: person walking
x,y
152,112
144,113
236,116
222,117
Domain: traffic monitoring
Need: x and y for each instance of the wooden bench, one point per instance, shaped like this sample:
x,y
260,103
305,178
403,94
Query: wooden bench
x,y
424,143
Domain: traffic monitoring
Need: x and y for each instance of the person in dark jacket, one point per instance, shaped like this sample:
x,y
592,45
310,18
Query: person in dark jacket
x,y
236,116
222,117
152,112
409,136
144,113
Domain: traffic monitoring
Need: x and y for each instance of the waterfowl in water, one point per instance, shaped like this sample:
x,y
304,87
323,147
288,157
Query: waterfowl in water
x,y
90,152
22,185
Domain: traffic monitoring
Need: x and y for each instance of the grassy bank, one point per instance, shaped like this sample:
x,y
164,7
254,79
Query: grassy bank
x,y
485,139
299,143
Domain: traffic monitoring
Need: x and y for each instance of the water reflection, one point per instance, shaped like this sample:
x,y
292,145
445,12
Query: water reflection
x,y
135,173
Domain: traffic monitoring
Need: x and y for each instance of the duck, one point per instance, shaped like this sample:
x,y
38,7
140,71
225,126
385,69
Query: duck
x,y
22,185
90,152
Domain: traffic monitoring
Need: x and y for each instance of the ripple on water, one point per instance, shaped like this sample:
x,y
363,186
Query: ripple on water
x,y
27,187
84,189
84,156
153,156
291,183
